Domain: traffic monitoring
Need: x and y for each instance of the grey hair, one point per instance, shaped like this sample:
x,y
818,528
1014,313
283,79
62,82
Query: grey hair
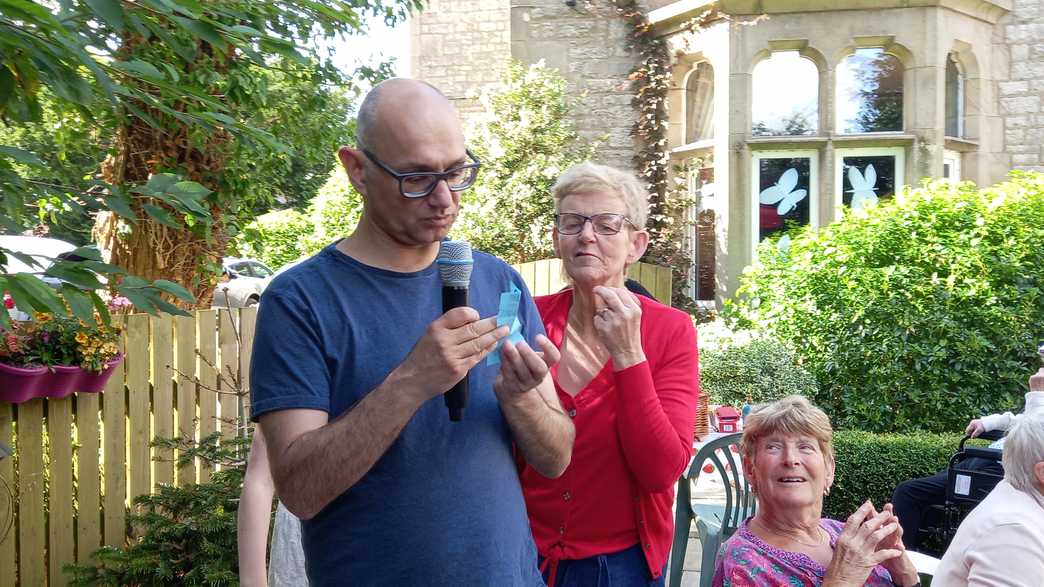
x,y
1023,449
366,121
792,414
590,177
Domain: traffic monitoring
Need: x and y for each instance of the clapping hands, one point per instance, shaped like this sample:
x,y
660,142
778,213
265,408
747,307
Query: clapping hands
x,y
870,538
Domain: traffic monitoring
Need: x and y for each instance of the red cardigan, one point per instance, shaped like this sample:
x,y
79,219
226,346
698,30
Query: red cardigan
x,y
633,441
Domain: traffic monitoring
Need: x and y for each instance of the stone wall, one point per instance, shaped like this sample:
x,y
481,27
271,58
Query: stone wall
x,y
1022,96
586,43
461,47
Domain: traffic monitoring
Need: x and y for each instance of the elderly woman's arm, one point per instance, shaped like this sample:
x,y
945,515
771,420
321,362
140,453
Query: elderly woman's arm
x,y
656,411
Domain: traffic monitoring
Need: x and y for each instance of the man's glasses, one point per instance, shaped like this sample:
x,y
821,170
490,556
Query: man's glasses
x,y
569,223
418,184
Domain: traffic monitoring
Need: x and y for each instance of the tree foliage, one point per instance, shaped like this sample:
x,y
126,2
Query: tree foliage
x,y
282,236
525,141
935,299
178,81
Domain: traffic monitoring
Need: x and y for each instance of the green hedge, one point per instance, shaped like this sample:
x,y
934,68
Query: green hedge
x,y
870,466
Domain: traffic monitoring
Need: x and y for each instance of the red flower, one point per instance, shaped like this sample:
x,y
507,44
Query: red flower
x,y
8,301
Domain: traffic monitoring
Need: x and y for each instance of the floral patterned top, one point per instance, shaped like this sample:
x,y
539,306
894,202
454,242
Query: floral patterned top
x,y
747,561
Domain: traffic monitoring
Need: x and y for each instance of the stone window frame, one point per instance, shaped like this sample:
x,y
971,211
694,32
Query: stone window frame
x,y
823,102
961,98
753,199
692,71
842,152
953,159
972,120
889,46
762,63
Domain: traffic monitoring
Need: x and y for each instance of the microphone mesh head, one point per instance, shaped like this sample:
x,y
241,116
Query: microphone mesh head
x,y
455,263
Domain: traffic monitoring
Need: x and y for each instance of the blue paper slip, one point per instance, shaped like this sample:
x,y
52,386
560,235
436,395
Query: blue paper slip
x,y
507,314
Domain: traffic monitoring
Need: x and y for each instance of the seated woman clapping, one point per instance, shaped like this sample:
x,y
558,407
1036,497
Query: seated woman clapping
x,y
788,458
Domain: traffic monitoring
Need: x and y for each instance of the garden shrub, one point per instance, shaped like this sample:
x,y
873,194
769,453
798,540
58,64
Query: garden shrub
x,y
282,236
919,314
737,366
870,466
275,238
334,212
525,140
187,534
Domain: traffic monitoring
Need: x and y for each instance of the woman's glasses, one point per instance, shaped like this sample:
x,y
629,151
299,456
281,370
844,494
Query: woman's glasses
x,y
570,223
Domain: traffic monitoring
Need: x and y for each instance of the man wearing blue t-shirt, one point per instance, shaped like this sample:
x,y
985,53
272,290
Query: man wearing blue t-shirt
x,y
353,352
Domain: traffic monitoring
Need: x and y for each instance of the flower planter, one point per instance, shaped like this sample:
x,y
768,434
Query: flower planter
x,y
18,384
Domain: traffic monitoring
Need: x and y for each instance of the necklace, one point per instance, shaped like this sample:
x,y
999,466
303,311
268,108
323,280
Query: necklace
x,y
819,533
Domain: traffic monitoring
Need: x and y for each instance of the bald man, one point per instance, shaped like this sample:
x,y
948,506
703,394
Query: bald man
x,y
353,352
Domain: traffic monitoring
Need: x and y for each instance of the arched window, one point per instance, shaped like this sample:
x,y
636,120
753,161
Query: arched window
x,y
870,92
699,104
785,96
954,98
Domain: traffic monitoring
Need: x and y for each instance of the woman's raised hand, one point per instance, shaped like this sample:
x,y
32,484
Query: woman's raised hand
x,y
869,539
618,322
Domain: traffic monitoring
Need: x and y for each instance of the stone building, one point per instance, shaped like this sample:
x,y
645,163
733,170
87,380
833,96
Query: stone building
x,y
783,112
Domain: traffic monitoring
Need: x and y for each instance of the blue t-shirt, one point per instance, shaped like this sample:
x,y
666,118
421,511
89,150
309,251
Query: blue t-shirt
x,y
443,506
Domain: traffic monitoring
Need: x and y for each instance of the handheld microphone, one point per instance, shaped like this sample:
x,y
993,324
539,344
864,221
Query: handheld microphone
x,y
455,264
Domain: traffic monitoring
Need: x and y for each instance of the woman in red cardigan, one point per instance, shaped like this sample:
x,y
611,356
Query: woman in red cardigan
x,y
629,378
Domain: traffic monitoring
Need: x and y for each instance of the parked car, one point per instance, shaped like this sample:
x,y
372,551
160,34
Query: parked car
x,y
43,250
242,282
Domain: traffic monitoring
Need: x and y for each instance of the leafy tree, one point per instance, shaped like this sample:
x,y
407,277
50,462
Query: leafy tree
x,y
525,141
70,146
177,81
334,212
282,236
274,238
934,299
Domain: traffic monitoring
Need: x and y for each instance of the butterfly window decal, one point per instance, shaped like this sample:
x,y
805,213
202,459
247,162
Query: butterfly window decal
x,y
783,192
864,187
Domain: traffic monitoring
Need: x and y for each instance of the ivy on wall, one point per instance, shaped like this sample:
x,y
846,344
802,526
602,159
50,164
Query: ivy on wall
x,y
669,197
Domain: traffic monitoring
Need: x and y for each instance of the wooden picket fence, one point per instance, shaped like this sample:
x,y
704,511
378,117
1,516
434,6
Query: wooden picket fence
x,y
71,496
546,276
68,498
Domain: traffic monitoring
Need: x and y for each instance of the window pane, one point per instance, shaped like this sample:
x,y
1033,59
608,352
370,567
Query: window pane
x,y
260,270
865,179
699,104
783,185
702,245
870,92
786,96
954,98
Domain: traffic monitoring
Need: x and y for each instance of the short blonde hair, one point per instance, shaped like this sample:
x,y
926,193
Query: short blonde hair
x,y
793,414
588,177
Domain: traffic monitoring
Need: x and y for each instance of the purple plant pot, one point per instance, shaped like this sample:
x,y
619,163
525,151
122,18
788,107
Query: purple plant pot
x,y
19,384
